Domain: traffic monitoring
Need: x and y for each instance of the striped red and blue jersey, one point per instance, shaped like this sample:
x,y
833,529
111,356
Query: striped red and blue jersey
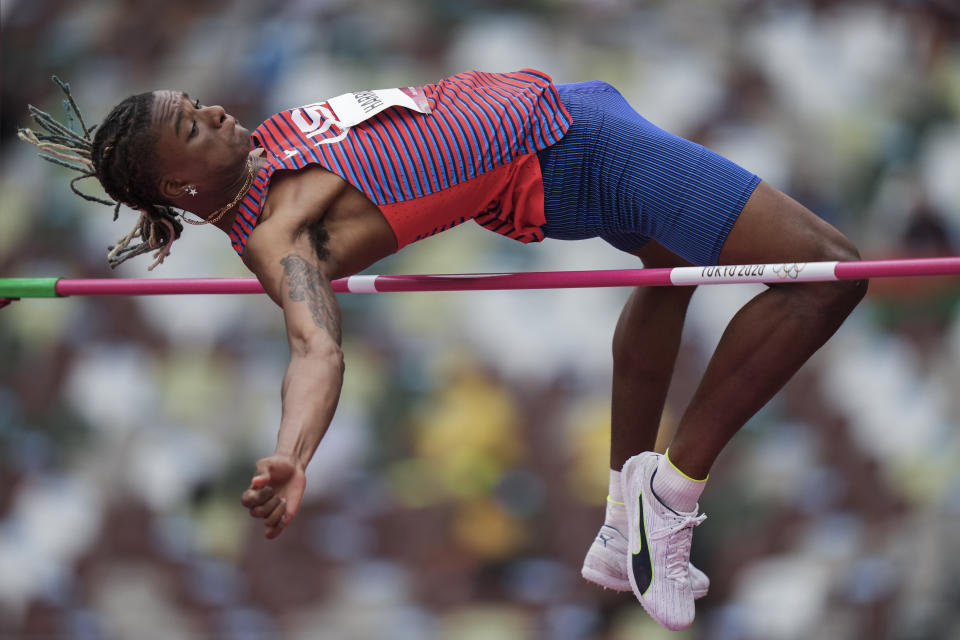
x,y
472,157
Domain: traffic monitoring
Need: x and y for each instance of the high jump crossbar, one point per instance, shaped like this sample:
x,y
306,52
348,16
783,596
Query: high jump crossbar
x,y
14,288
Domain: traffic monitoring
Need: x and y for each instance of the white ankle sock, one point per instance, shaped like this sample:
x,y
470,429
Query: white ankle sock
x,y
615,492
676,489
616,512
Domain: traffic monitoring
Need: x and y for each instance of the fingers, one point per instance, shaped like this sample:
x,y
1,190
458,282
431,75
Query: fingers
x,y
280,524
273,509
266,509
277,520
256,496
263,473
273,520
274,477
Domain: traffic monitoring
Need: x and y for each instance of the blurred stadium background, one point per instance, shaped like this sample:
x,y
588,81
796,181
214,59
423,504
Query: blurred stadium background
x,y
465,473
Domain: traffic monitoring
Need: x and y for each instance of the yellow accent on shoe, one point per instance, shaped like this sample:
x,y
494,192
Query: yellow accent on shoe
x,y
666,454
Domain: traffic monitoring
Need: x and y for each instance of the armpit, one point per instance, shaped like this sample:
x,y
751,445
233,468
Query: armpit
x,y
319,240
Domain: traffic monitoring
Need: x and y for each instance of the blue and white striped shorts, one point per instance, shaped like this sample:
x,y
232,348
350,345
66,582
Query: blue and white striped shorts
x,y
616,176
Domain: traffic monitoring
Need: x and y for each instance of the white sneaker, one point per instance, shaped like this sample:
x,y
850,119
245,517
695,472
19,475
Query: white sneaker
x,y
659,541
607,559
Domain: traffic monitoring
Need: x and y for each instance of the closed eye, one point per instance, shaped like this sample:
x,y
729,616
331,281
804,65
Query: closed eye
x,y
193,128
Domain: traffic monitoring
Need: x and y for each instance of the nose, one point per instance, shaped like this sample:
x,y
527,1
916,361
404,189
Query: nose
x,y
217,114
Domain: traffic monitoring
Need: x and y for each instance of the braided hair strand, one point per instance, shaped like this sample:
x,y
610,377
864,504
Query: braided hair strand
x,y
114,156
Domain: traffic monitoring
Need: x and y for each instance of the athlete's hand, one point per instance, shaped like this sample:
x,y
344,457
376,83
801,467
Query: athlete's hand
x,y
275,492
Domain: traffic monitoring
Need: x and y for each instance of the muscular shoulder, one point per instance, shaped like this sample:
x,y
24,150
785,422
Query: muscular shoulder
x,y
296,202
298,198
323,214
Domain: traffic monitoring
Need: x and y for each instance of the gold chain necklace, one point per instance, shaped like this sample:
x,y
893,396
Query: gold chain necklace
x,y
219,213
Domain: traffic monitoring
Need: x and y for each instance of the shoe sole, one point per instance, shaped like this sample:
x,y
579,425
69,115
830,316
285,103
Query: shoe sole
x,y
605,581
622,586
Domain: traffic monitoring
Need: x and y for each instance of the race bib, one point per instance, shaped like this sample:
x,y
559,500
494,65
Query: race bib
x,y
350,109
338,115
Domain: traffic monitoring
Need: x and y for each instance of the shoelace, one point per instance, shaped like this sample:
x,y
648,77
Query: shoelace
x,y
678,552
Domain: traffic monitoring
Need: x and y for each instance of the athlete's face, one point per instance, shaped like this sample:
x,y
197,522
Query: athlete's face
x,y
196,145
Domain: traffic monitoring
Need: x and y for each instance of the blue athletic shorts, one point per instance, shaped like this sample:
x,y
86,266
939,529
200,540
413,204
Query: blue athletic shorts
x,y
616,176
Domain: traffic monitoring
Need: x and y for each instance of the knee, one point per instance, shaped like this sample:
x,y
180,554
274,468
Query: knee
x,y
844,296
836,299
849,292
839,249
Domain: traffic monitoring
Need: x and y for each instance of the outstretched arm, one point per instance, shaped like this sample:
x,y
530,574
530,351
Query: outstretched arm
x,y
298,281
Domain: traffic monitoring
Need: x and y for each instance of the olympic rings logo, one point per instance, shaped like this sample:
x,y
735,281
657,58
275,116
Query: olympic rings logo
x,y
789,270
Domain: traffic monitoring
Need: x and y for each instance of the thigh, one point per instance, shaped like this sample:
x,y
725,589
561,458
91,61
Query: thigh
x,y
773,227
661,186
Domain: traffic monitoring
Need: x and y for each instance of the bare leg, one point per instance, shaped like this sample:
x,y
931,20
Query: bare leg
x,y
645,346
769,339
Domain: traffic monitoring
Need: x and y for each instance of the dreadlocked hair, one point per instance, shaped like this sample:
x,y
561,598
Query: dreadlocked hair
x,y
114,156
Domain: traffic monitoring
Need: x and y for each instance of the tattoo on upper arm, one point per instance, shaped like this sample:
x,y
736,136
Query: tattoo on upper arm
x,y
307,284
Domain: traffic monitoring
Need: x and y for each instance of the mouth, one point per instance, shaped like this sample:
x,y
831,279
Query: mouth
x,y
239,134
231,127
237,127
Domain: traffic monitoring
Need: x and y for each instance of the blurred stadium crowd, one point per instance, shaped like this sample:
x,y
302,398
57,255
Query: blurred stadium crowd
x,y
464,475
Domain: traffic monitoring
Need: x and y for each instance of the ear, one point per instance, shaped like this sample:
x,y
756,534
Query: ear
x,y
171,188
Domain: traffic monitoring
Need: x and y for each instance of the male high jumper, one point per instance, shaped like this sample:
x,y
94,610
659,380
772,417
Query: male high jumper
x,y
325,190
